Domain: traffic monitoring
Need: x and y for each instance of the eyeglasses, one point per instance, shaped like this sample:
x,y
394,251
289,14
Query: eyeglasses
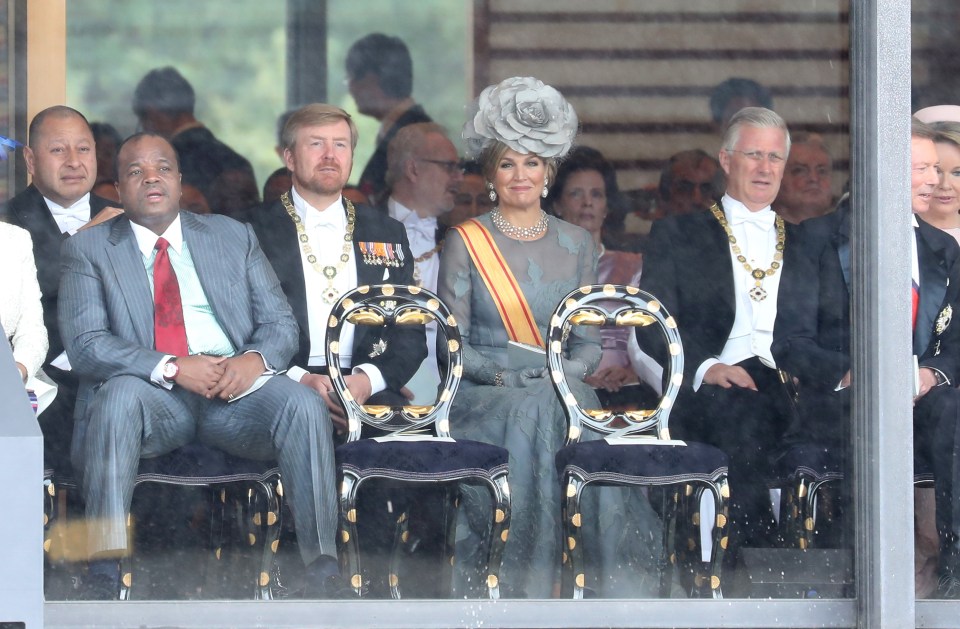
x,y
481,200
758,156
452,168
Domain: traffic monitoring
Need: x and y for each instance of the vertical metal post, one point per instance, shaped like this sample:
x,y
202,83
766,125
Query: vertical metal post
x,y
881,343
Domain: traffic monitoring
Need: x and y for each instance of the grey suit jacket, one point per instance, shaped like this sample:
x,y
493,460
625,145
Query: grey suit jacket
x,y
106,307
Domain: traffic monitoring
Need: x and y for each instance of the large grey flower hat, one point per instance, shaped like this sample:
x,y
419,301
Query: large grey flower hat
x,y
526,115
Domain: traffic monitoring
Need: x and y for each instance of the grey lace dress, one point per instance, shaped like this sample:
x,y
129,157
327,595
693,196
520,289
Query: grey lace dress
x,y
529,422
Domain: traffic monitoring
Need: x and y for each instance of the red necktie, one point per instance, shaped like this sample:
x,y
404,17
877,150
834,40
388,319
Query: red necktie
x,y
169,332
915,297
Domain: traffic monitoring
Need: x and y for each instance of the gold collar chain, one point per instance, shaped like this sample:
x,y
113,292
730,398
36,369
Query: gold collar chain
x,y
330,272
757,293
417,277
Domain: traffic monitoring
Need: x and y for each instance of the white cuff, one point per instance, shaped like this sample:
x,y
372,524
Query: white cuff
x,y
295,373
377,383
701,372
156,376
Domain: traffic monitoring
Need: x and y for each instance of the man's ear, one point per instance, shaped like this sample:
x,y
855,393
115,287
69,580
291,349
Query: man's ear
x,y
30,159
724,159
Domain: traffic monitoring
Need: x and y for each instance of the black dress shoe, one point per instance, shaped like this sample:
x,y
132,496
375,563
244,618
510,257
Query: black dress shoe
x,y
333,587
98,587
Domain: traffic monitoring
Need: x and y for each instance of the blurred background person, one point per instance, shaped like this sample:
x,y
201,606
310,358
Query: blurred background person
x,y
734,94
472,199
380,80
805,191
586,194
691,181
107,140
163,102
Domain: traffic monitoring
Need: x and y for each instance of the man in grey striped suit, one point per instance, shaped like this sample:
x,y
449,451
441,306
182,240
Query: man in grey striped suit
x,y
136,401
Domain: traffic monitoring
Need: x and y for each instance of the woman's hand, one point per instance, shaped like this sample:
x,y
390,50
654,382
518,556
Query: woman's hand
x,y
524,377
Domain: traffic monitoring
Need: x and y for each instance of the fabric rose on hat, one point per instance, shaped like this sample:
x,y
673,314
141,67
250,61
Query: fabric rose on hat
x,y
524,114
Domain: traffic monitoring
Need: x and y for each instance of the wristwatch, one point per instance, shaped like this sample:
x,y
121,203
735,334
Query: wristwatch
x,y
170,370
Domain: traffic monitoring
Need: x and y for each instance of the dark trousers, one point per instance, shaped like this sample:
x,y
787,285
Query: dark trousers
x,y
747,426
936,430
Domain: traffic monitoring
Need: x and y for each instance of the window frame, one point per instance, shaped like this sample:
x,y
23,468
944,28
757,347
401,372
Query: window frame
x,y
880,109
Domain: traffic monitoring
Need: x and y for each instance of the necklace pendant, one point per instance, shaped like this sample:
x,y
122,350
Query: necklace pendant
x,y
757,293
330,295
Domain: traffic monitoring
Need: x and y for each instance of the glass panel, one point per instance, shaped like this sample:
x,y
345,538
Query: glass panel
x,y
642,86
934,64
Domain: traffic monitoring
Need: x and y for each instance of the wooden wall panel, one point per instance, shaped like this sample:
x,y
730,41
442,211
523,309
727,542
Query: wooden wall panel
x,y
640,72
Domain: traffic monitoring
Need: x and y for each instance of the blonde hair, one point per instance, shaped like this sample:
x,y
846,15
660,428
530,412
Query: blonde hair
x,y
315,115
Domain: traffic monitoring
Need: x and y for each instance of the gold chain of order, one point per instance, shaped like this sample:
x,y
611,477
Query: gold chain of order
x,y
757,293
330,272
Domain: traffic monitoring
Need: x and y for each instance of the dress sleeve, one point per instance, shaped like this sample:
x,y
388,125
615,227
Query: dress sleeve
x,y
455,287
583,343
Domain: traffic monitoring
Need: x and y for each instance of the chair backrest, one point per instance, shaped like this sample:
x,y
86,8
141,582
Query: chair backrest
x,y
623,306
383,305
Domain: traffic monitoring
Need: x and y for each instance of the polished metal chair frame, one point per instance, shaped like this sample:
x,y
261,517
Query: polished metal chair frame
x,y
408,428
696,468
184,467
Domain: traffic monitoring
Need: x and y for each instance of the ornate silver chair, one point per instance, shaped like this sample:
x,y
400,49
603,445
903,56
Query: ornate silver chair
x,y
416,446
636,448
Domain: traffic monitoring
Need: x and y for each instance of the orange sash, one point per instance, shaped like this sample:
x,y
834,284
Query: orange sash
x,y
502,285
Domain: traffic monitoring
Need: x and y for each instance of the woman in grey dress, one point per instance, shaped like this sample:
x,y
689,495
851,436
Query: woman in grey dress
x,y
515,407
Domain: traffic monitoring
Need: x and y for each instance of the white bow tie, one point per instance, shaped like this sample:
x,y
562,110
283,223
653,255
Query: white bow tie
x,y
763,219
426,227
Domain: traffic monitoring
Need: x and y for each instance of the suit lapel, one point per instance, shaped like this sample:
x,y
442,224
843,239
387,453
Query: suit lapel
x,y
132,279
934,281
715,254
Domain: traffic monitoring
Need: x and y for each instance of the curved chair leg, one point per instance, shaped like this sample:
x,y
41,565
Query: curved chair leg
x,y
451,509
671,507
499,533
690,555
572,521
804,518
49,513
126,565
400,538
271,541
348,531
721,497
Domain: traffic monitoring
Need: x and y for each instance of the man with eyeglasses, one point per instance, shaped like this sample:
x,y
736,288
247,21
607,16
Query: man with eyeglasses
x,y
691,181
718,272
423,175
806,189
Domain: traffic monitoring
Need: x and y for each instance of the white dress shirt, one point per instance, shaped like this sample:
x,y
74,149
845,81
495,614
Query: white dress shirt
x,y
325,229
422,234
70,219
752,331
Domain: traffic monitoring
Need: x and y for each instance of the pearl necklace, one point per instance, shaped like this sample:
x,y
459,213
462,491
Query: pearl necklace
x,y
519,233
757,293
330,272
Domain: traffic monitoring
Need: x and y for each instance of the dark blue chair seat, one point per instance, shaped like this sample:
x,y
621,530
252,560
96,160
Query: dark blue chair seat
x,y
199,465
642,464
426,461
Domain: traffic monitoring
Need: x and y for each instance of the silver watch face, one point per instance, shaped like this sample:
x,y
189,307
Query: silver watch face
x,y
170,370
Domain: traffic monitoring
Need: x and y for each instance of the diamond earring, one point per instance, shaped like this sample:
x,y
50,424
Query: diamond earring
x,y
545,191
492,193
